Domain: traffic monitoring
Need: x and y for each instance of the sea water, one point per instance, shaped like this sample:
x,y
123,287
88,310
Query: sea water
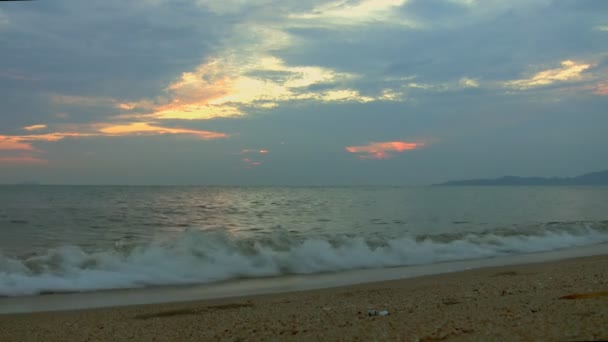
x,y
56,239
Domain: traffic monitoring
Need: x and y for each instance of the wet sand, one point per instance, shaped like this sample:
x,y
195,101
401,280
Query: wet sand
x,y
563,300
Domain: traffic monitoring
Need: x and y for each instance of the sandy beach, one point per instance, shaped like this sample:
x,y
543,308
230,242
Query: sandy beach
x,y
563,300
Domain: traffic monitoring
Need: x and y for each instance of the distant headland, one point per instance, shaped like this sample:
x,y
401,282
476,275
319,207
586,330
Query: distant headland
x,y
593,178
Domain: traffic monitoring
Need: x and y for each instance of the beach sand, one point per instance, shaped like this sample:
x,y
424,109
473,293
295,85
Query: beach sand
x,y
523,302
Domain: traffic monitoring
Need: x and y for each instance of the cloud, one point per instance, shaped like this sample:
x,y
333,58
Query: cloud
x,y
466,82
109,49
392,95
21,150
294,71
13,143
569,71
17,151
602,28
248,76
383,150
24,142
354,13
144,128
103,130
601,89
34,127
52,137
249,161
140,105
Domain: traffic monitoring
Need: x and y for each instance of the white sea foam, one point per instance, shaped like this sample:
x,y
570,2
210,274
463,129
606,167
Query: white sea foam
x,y
196,257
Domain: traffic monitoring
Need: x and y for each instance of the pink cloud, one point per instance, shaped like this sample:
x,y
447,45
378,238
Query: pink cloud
x,y
383,150
601,89
251,163
18,151
14,143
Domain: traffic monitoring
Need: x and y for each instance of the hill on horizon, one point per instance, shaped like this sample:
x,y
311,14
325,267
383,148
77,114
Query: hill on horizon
x,y
592,178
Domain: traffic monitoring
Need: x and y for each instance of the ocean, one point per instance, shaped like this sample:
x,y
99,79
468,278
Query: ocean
x,y
64,239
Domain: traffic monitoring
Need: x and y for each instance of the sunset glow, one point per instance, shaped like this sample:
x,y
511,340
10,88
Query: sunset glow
x,y
24,142
224,88
34,127
147,128
301,91
383,150
14,143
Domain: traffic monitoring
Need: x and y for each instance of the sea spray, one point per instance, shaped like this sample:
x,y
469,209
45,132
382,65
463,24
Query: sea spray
x,y
205,256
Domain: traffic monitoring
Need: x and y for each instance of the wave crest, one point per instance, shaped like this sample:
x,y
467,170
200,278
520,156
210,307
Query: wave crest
x,y
196,257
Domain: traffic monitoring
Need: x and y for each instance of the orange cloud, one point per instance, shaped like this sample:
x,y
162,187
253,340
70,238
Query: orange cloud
x,y
247,77
569,71
382,150
14,143
52,137
34,127
24,142
222,87
144,128
601,89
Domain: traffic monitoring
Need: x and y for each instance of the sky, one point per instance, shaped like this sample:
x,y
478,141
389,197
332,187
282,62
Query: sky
x,y
306,92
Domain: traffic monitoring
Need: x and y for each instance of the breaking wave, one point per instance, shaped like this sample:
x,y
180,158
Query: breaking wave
x,y
196,257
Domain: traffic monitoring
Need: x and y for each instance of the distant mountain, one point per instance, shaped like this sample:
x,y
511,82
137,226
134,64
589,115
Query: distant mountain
x,y
593,178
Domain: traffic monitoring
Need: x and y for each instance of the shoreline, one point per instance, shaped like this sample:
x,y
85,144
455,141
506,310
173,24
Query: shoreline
x,y
501,302
84,300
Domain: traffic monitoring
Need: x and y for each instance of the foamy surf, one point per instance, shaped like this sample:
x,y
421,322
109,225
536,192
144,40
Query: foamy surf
x,y
200,257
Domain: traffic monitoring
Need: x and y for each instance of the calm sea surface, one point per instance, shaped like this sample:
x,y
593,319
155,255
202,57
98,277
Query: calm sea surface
x,y
78,238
